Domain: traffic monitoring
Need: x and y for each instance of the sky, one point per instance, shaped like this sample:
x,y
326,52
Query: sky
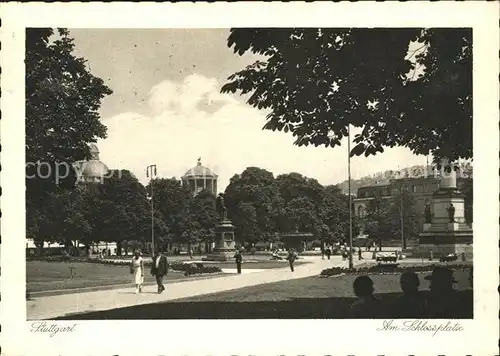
x,y
166,109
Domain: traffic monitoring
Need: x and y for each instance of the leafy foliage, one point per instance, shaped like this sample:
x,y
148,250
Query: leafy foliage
x,y
316,82
171,200
62,102
383,217
252,200
404,205
378,220
261,206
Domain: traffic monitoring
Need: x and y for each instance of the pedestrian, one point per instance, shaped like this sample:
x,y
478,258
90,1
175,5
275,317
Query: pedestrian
x,y
411,304
360,254
239,258
322,252
443,301
328,252
137,270
367,306
159,269
292,256
190,253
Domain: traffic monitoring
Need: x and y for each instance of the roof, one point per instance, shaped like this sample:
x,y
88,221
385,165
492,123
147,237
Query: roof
x,y
199,171
375,184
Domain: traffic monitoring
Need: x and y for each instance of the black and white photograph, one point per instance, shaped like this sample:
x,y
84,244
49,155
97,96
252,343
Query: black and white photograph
x,y
253,172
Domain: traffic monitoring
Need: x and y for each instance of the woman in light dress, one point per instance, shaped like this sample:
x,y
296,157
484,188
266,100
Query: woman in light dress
x,y
137,270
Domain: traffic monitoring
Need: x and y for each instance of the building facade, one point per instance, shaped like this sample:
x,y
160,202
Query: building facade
x,y
200,178
420,188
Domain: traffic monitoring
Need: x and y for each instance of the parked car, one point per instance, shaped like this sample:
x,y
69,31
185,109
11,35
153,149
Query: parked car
x,y
449,258
386,257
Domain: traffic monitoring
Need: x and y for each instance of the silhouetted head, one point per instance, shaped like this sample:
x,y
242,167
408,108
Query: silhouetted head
x,y
441,279
137,253
363,286
409,282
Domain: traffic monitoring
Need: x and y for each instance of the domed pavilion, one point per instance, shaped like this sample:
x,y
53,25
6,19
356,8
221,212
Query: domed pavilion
x,y
199,178
93,170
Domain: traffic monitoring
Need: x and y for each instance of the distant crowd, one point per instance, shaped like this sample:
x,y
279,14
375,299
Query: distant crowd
x,y
442,301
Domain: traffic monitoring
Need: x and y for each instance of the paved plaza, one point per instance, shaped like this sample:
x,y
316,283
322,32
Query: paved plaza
x,y
69,304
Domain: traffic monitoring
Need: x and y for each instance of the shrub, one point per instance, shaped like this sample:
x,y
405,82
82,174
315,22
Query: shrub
x,y
192,269
378,269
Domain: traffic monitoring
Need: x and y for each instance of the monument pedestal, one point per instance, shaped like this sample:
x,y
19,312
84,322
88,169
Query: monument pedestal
x,y
444,236
224,243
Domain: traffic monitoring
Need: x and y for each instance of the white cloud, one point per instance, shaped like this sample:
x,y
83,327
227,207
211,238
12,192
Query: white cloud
x,y
191,119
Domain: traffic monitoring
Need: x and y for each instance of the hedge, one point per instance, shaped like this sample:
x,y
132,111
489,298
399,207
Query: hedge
x,y
381,269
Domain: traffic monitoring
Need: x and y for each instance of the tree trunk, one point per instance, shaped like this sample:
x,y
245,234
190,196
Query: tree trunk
x,y
118,248
67,245
87,250
39,247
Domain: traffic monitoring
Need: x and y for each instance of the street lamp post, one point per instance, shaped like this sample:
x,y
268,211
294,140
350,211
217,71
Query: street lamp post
x,y
151,173
349,191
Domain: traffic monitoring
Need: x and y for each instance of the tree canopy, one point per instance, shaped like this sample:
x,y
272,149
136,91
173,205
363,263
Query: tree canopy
x,y
314,83
62,103
383,218
62,118
261,206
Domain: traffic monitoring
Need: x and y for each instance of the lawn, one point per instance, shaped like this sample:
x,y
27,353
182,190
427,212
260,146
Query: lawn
x,y
306,298
50,276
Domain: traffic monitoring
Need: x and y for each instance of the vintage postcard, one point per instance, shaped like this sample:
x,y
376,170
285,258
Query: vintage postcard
x,y
250,179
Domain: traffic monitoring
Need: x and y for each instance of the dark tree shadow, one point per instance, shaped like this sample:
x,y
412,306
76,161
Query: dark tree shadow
x,y
298,308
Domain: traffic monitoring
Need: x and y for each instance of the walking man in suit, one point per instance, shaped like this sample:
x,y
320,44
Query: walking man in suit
x,y
238,259
159,269
292,256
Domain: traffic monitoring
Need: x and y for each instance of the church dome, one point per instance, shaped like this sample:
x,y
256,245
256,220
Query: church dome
x,y
93,169
199,171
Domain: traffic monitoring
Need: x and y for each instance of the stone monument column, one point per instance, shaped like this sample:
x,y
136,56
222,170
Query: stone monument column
x,y
448,197
447,231
224,235
448,180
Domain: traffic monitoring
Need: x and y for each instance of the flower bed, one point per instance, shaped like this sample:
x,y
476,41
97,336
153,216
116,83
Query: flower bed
x,y
190,269
379,269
